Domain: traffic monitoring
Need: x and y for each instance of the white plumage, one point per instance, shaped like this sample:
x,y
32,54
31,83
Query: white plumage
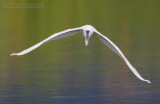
x,y
87,33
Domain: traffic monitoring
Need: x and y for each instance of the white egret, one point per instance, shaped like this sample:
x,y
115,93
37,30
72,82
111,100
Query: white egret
x,y
87,32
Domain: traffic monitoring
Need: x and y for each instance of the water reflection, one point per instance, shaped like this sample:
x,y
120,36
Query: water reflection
x,y
65,71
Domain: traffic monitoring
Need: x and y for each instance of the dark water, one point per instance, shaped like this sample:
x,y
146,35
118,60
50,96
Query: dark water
x,y
65,71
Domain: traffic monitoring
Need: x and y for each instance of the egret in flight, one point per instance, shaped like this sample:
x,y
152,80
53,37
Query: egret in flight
x,y
87,32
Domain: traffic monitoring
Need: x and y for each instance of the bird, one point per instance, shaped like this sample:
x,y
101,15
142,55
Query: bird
x,y
87,32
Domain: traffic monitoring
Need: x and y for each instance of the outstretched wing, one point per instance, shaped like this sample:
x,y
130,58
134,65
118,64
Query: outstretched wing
x,y
65,33
114,48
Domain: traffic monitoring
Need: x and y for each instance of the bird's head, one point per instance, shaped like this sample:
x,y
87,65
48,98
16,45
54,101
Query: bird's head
x,y
87,33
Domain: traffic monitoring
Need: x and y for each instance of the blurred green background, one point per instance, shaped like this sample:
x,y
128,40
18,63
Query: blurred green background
x,y
132,24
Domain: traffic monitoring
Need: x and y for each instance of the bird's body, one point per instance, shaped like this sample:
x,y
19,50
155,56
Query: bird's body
x,y
87,32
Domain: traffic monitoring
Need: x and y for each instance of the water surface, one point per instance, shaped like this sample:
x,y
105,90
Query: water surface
x,y
65,71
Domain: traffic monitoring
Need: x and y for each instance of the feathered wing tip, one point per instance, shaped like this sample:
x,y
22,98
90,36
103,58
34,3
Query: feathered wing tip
x,y
28,50
148,81
134,70
13,54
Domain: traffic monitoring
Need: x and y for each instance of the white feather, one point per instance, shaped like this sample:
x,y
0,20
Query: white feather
x,y
87,32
